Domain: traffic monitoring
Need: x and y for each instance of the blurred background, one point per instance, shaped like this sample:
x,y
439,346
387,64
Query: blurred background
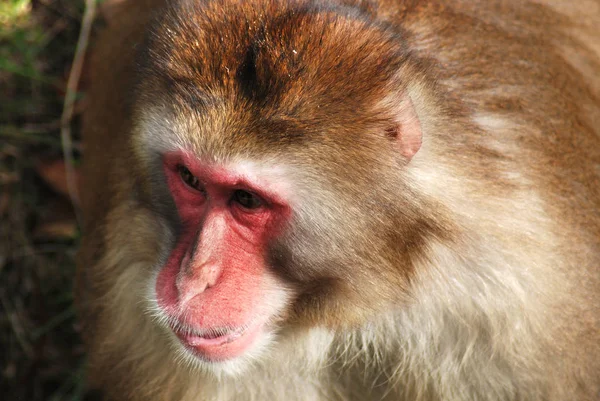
x,y
41,356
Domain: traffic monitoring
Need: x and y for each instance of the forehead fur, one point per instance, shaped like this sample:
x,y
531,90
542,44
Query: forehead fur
x,y
284,72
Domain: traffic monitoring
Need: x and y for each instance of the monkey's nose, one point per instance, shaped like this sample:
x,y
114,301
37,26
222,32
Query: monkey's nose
x,y
194,280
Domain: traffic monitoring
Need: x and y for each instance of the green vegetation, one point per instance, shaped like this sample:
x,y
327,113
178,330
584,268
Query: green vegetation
x,y
42,357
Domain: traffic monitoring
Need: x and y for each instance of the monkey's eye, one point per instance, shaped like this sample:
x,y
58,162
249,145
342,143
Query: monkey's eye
x,y
246,199
190,179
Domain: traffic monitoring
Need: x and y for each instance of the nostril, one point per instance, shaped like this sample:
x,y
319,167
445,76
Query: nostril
x,y
211,273
194,280
188,288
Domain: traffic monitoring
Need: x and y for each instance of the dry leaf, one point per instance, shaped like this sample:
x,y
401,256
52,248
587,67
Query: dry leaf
x,y
57,221
63,229
54,173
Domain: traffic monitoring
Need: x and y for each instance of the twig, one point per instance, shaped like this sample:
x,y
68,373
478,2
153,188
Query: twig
x,y
16,326
71,93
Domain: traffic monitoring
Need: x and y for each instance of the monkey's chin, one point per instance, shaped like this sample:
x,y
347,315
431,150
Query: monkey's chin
x,y
229,346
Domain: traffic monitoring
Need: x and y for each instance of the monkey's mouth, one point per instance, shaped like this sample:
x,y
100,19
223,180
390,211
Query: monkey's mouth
x,y
218,336
219,344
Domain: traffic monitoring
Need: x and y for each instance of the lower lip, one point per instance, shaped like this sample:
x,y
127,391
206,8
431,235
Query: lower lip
x,y
221,348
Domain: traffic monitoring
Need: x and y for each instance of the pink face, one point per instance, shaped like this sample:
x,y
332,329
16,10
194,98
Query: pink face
x,y
215,288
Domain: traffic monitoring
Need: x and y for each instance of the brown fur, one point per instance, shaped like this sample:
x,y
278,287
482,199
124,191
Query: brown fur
x,y
469,272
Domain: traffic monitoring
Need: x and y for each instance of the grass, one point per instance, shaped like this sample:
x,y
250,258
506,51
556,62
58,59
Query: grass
x,y
42,357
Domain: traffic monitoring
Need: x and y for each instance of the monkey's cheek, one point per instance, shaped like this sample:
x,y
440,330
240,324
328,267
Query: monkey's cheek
x,y
225,347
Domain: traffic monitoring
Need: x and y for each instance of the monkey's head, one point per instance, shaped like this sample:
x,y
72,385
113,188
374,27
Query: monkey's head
x,y
272,151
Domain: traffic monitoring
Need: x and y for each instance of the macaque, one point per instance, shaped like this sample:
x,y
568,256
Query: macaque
x,y
343,200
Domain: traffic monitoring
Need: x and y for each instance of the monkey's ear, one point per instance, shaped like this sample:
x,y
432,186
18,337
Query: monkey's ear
x,y
405,128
